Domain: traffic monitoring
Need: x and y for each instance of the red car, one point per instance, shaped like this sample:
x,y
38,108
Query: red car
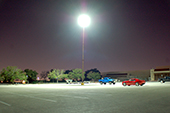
x,y
133,81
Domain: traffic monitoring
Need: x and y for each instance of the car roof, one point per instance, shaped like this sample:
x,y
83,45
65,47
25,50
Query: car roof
x,y
134,78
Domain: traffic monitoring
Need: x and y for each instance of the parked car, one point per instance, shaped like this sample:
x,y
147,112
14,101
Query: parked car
x,y
107,80
69,81
163,80
133,81
18,81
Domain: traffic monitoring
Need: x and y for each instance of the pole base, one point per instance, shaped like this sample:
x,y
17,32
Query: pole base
x,y
82,83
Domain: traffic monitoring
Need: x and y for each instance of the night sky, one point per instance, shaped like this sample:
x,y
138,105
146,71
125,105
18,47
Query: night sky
x,y
124,35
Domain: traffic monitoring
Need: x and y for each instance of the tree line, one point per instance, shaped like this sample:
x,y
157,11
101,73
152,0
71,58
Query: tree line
x,y
11,73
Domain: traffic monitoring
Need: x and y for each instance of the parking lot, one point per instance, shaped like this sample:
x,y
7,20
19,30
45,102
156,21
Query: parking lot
x,y
153,97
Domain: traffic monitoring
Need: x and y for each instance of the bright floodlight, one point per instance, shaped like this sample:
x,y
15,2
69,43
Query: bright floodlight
x,y
84,20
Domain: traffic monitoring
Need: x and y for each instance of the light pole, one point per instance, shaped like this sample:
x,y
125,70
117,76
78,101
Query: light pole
x,y
83,21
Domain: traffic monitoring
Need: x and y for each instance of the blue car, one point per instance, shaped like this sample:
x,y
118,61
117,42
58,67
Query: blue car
x,y
107,80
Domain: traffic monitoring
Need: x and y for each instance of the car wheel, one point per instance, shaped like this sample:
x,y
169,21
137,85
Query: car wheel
x,y
104,83
113,83
124,84
162,81
101,83
110,83
137,84
142,84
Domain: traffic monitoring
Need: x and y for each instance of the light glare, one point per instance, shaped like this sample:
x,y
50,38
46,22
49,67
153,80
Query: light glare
x,y
84,20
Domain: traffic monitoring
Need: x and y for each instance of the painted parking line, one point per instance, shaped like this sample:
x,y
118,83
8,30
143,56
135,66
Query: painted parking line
x,y
44,99
79,97
5,103
38,98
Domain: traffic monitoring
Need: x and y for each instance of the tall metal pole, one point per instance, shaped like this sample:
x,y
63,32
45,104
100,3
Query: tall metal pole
x,y
83,56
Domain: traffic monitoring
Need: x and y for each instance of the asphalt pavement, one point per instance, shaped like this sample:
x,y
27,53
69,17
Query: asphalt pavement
x,y
153,97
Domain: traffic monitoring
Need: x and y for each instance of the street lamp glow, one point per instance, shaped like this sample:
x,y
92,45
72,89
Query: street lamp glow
x,y
84,20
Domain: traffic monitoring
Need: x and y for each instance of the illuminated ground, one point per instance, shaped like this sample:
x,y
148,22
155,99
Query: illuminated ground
x,y
153,97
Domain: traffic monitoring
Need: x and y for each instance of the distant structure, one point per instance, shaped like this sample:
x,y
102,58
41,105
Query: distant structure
x,y
142,74
159,72
149,75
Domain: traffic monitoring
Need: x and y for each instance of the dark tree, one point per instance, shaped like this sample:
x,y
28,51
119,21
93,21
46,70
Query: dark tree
x,y
68,71
32,75
91,70
44,75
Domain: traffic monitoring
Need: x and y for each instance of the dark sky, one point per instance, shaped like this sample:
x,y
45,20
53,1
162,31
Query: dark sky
x,y
124,35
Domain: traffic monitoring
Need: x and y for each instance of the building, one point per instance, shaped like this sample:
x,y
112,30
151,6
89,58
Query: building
x,y
143,74
159,72
152,74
